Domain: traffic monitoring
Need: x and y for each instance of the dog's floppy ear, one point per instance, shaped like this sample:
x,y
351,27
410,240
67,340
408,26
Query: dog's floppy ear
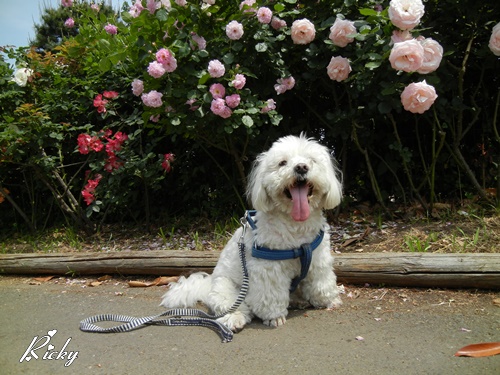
x,y
256,193
334,193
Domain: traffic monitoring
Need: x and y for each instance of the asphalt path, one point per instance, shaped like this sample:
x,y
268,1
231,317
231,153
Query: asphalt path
x,y
375,331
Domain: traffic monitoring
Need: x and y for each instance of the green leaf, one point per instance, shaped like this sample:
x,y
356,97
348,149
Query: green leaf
x,y
204,78
247,121
279,7
373,65
228,58
105,65
368,12
261,47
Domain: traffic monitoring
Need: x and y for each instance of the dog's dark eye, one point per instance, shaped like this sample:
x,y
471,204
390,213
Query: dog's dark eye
x,y
282,163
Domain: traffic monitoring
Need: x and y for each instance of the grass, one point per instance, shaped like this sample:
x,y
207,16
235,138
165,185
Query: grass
x,y
453,234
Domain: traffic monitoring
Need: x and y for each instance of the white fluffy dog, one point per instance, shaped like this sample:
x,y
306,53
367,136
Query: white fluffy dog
x,y
290,186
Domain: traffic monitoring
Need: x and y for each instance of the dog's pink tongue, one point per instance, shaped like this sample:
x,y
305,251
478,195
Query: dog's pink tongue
x,y
300,210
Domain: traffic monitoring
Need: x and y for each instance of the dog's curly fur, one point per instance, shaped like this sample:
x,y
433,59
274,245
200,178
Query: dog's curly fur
x,y
290,185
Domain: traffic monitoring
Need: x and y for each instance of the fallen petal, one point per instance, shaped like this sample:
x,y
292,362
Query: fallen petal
x,y
479,350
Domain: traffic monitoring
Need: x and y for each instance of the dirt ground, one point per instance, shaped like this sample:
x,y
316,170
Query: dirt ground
x,y
376,331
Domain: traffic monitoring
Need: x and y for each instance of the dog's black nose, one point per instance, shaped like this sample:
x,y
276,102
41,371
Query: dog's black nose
x,y
301,168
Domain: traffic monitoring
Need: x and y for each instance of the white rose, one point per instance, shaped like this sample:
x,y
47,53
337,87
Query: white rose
x,y
21,76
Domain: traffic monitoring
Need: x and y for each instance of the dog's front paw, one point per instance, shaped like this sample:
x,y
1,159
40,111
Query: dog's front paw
x,y
235,321
334,304
275,322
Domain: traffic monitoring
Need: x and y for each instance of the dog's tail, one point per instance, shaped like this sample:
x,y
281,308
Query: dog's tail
x,y
188,291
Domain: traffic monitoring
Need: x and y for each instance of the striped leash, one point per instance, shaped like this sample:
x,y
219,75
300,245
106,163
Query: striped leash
x,y
177,317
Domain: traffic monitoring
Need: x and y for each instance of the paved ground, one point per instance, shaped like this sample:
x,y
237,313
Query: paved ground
x,y
376,331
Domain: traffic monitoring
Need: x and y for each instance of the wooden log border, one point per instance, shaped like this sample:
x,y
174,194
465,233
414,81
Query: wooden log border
x,y
392,269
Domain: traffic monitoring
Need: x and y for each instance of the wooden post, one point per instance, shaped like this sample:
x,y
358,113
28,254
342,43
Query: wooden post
x,y
396,269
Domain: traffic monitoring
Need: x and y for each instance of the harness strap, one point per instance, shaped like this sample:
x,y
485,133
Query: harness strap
x,y
304,252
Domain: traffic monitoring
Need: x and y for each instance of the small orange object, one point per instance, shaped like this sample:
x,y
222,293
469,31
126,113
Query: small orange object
x,y
484,349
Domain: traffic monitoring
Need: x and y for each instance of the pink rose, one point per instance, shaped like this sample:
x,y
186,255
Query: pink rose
x,y
218,107
400,36
216,69
163,55
340,30
217,91
303,31
233,101
234,30
494,43
70,23
155,69
239,81
407,56
166,59
152,99
136,9
338,69
418,97
270,104
170,65
67,3
181,3
433,53
277,23
248,3
199,40
284,84
152,5
137,87
406,14
264,15
111,29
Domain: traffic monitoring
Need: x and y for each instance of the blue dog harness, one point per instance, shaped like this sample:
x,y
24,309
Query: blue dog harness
x,y
304,252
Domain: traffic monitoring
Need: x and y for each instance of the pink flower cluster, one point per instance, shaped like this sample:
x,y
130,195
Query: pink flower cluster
x,y
408,54
101,103
284,84
222,103
88,192
421,55
165,62
87,143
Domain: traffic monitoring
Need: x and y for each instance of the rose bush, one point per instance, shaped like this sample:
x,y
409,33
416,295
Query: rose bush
x,y
214,81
